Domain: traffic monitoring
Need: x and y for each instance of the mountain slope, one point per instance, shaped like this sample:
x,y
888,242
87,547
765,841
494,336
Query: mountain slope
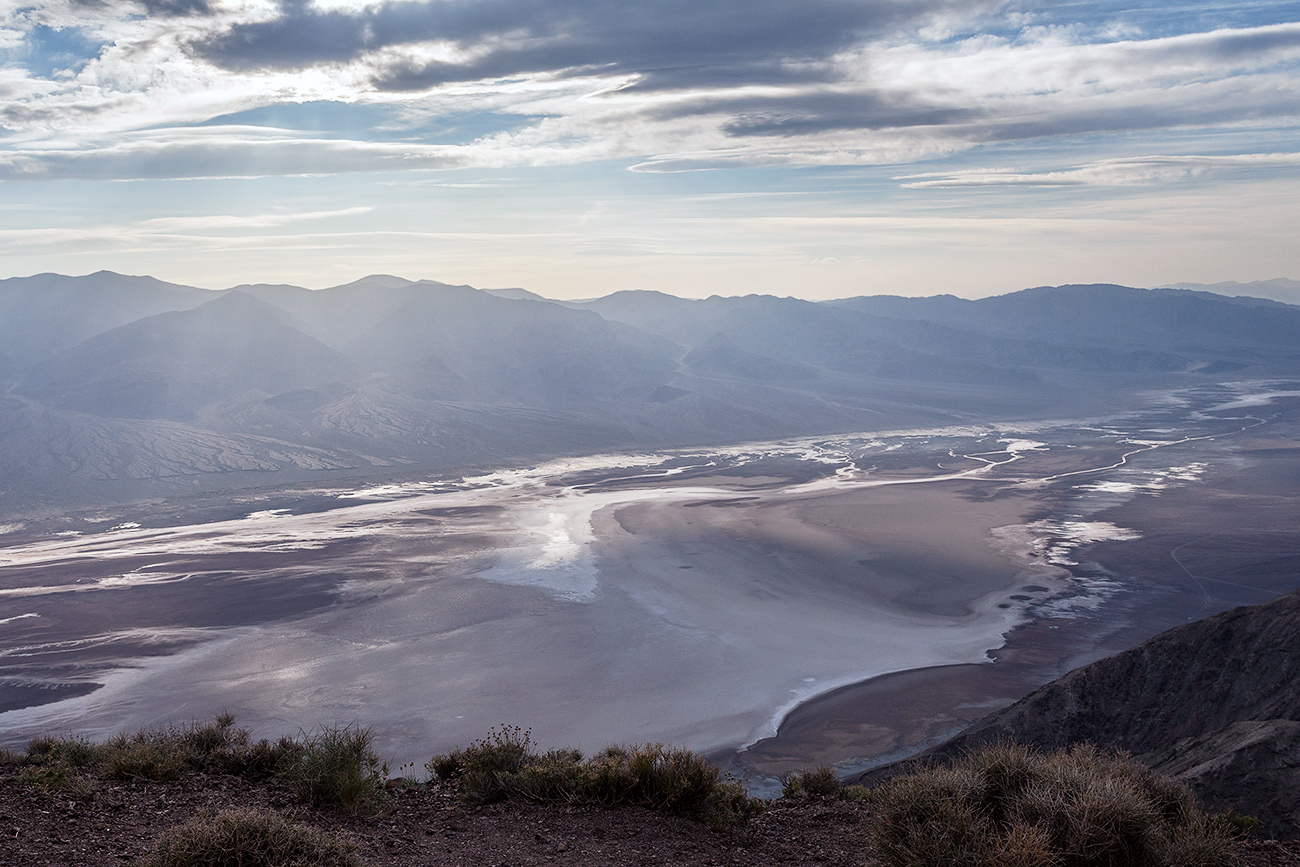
x,y
1216,702
1278,289
942,339
44,314
782,332
386,371
170,365
1115,317
457,343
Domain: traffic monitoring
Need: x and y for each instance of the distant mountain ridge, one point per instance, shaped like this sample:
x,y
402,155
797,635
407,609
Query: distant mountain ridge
x,y
287,383
171,365
1278,289
43,314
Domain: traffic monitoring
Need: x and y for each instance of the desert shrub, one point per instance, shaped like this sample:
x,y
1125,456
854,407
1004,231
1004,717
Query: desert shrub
x,y
661,778
505,765
61,765
59,777
504,750
1242,824
148,755
247,838
75,752
336,766
1007,806
263,759
166,753
216,745
820,782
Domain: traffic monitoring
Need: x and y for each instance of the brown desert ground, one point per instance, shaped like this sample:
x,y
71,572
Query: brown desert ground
x,y
429,827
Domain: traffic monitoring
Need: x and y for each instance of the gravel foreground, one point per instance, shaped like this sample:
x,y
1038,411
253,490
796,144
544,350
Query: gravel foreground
x,y
116,823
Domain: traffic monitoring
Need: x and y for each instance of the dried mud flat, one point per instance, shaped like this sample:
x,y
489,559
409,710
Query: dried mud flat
x,y
856,596
418,826
1192,549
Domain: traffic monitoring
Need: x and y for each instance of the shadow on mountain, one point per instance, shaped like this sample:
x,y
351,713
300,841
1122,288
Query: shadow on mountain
x,y
1212,703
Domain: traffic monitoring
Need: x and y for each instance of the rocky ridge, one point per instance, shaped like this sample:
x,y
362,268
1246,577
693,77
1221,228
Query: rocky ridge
x,y
1215,703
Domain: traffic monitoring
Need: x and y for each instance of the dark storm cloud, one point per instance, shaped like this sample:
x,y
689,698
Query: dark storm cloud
x,y
672,42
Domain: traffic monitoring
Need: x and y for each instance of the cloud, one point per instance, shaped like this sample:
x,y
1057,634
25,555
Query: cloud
x,y
1105,173
682,41
160,8
242,222
218,152
208,232
671,86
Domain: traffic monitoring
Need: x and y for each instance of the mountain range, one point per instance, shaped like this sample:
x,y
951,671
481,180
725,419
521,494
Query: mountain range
x,y
117,387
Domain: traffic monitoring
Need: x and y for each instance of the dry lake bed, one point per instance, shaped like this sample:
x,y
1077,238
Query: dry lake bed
x,y
843,599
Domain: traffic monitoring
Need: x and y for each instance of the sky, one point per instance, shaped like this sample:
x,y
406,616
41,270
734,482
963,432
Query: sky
x,y
820,148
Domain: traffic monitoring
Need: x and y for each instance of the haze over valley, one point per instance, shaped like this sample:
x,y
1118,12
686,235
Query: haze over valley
x,y
777,530
122,387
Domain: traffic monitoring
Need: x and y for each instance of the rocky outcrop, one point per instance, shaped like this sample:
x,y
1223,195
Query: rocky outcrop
x,y
1251,766
1215,703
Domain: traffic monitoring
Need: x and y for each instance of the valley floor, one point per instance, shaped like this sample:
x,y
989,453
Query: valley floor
x,y
852,590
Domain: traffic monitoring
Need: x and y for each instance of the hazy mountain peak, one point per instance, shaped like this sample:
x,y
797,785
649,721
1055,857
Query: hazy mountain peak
x,y
100,280
234,302
376,281
515,294
254,288
170,365
1279,289
45,313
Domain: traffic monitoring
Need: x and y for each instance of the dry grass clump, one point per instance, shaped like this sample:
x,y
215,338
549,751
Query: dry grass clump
x,y
166,753
820,782
505,765
335,766
1007,806
248,838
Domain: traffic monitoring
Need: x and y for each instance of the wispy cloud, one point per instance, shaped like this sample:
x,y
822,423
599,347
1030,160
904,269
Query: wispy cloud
x,y
670,86
244,222
216,152
214,228
493,117
1128,171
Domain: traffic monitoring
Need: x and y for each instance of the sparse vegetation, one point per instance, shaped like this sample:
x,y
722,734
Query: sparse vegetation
x,y
820,782
167,753
1004,806
59,777
505,765
1007,806
336,766
248,838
